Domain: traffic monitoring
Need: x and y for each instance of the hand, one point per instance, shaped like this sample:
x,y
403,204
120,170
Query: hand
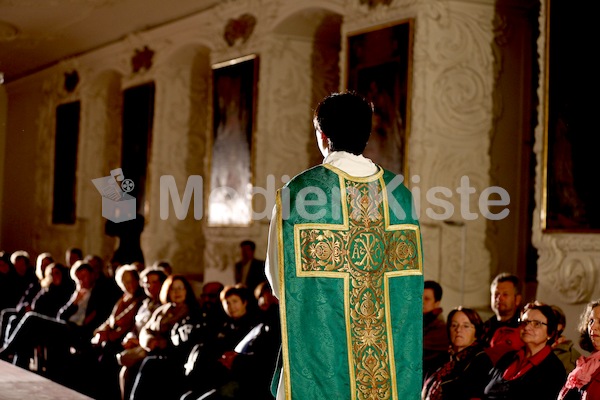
x,y
227,359
130,343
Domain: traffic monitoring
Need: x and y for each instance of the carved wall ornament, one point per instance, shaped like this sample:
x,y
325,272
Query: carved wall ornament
x,y
142,59
240,28
375,3
71,81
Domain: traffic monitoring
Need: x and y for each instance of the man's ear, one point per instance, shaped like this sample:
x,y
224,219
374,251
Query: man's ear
x,y
518,300
325,139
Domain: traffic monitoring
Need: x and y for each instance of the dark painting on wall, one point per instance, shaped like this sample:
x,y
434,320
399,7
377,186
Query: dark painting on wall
x,y
572,137
380,68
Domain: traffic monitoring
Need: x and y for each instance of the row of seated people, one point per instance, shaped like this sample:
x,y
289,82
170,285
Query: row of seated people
x,y
151,339
519,353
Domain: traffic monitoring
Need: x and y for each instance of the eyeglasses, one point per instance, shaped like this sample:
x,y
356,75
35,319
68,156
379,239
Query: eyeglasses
x,y
535,323
463,326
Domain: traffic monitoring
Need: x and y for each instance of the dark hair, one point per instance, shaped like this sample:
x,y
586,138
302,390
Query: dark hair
x,y
345,118
584,337
241,291
158,271
506,277
548,312
80,265
76,250
473,317
248,243
437,289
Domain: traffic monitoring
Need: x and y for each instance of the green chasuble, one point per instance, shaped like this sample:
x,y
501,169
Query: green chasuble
x,y
351,287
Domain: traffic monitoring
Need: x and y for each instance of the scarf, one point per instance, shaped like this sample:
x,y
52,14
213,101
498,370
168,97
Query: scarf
x,y
584,369
433,386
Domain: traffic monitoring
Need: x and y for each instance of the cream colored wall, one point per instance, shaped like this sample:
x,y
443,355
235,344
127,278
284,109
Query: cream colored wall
x,y
452,116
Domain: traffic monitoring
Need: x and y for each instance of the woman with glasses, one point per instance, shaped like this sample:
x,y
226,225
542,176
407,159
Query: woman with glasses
x,y
465,375
534,371
584,381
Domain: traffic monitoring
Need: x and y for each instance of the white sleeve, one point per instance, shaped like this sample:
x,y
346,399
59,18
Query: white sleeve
x,y
272,258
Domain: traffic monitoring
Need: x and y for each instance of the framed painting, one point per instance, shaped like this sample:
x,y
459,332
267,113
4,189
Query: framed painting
x,y
379,67
571,134
234,104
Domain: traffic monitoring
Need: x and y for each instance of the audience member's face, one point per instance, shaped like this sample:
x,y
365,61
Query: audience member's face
x,y
247,253
234,306
130,282
504,300
4,267
429,303
71,258
84,278
462,331
210,294
177,292
266,299
534,328
594,327
152,285
57,276
21,265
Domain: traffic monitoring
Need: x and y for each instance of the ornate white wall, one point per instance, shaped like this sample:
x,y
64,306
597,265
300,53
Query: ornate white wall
x,y
301,46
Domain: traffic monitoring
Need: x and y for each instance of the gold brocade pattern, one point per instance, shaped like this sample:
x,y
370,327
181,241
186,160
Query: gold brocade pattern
x,y
368,251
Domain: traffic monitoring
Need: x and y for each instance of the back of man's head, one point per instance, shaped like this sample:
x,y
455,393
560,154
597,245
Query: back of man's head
x,y
437,289
345,118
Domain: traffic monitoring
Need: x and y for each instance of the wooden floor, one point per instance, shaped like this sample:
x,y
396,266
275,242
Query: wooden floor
x,y
19,384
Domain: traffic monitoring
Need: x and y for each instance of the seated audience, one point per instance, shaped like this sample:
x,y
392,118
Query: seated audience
x,y
534,371
204,368
465,375
435,335
584,381
8,295
501,331
26,283
107,337
564,348
56,289
167,338
64,335
247,370
133,354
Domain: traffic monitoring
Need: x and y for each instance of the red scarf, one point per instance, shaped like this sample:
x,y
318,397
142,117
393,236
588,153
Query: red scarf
x,y
522,364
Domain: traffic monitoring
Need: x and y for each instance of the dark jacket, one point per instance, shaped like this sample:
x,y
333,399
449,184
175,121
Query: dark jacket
x,y
256,274
99,306
464,377
542,381
435,341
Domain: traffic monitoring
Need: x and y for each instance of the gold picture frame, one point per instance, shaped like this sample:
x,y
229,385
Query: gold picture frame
x,y
234,114
379,67
571,140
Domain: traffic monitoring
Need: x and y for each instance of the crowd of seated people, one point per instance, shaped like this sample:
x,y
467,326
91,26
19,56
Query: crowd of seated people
x,y
518,353
136,332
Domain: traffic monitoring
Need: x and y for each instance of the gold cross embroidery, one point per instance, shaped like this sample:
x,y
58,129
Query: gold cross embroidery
x,y
365,251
